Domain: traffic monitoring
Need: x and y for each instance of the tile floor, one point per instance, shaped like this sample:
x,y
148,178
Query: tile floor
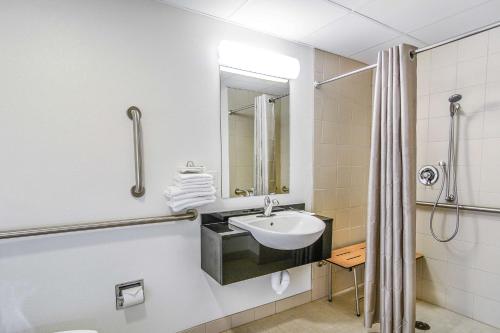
x,y
322,316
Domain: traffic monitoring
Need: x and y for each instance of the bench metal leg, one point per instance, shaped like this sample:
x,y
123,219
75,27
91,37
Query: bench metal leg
x,y
330,282
356,291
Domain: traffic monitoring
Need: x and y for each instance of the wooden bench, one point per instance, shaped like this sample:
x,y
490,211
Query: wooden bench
x,y
350,257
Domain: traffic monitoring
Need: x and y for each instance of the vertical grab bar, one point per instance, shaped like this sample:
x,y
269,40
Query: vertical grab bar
x,y
138,189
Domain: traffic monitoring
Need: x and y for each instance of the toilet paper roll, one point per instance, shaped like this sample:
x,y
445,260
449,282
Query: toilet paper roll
x,y
280,281
132,296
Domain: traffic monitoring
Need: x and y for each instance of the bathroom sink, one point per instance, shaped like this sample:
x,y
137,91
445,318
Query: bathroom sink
x,y
285,230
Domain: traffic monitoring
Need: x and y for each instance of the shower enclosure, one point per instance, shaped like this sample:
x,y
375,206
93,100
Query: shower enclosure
x,y
458,135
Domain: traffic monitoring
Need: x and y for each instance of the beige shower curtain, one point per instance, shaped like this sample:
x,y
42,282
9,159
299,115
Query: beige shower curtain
x,y
390,249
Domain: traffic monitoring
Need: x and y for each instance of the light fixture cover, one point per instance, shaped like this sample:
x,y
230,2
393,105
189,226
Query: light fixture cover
x,y
251,59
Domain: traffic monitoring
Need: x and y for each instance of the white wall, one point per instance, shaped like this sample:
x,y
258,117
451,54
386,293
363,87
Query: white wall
x,y
464,274
70,69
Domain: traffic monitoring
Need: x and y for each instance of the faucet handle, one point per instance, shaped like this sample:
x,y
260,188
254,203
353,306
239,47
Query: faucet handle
x,y
267,201
275,202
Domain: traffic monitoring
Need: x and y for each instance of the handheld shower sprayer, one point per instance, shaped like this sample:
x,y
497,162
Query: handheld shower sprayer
x,y
449,172
454,105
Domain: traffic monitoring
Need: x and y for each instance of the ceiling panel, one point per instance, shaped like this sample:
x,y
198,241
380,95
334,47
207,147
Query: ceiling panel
x,y
349,35
369,56
475,18
360,31
218,8
291,19
352,4
407,15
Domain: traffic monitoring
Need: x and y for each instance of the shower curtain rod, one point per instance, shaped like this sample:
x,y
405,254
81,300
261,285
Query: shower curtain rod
x,y
271,100
413,53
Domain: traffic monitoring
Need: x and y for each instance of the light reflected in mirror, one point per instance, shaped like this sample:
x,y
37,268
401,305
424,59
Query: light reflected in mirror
x,y
255,135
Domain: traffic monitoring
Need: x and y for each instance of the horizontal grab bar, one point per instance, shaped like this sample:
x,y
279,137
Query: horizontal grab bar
x,y
462,207
191,214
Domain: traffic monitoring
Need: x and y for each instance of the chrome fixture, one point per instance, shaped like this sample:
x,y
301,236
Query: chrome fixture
x,y
243,108
251,106
268,206
138,189
274,99
428,175
121,288
243,192
449,172
462,207
190,214
412,53
452,173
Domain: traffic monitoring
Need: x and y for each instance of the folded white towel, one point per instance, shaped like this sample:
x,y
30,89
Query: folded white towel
x,y
183,185
193,177
190,203
174,193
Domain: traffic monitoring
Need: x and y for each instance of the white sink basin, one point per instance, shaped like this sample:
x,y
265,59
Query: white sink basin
x,y
287,230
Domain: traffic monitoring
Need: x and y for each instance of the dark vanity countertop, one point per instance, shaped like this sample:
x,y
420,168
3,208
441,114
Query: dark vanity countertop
x,y
218,222
219,217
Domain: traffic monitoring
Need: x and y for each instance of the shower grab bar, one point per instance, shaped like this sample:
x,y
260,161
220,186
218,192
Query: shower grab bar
x,y
190,214
138,189
461,207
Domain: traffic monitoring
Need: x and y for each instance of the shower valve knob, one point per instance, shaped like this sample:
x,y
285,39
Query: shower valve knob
x,y
428,175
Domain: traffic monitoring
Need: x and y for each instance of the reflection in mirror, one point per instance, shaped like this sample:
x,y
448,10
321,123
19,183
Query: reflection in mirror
x,y
255,134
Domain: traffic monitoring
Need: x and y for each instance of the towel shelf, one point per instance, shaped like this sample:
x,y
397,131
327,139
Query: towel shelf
x,y
190,214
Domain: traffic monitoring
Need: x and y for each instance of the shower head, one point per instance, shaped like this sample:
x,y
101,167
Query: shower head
x,y
454,105
455,98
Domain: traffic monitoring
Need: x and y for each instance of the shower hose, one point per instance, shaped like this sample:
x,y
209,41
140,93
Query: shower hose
x,y
457,210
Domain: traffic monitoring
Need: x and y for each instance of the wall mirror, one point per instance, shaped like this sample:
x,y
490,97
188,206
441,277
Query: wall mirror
x,y
255,132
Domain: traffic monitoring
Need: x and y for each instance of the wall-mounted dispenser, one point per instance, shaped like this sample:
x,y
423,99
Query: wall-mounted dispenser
x,y
129,294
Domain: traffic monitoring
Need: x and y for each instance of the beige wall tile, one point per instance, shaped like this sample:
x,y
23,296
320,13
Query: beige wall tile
x,y
473,47
318,270
472,72
494,41
443,56
196,329
493,68
242,318
265,310
487,310
293,301
460,301
219,325
319,287
444,79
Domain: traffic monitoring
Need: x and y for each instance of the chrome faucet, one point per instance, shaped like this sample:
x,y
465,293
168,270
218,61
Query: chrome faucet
x,y
269,204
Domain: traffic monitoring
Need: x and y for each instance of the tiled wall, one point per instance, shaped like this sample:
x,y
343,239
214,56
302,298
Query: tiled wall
x,y
342,112
247,316
282,145
464,274
241,139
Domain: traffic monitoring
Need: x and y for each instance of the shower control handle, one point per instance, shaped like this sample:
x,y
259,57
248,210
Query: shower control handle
x,y
428,175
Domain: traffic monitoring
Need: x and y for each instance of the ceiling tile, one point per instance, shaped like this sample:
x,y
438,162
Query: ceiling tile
x,y
369,56
349,35
218,8
352,4
290,19
472,19
411,15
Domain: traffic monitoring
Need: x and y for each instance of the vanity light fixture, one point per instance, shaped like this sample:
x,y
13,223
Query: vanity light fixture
x,y
246,60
